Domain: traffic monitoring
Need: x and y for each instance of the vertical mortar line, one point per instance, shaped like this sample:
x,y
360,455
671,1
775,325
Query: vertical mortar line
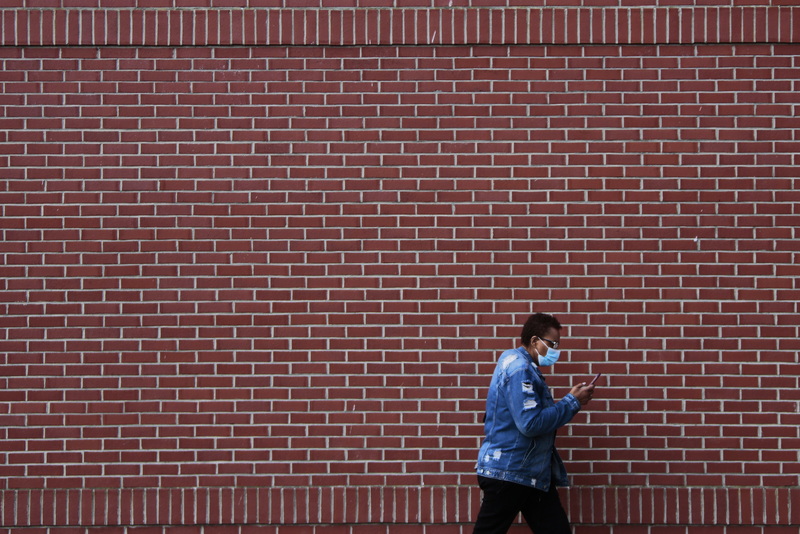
x,y
566,25
515,29
640,41
477,36
450,13
94,494
714,509
705,24
341,41
440,28
28,29
40,515
355,40
616,36
730,27
328,25
15,507
403,19
10,15
390,12
366,41
527,38
726,493
698,36
654,17
640,501
502,27
717,26
629,24
41,28
615,494
445,514
291,30
279,16
429,36
369,517
602,35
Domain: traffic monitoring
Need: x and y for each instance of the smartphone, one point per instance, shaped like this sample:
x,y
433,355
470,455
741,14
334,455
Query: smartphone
x,y
598,375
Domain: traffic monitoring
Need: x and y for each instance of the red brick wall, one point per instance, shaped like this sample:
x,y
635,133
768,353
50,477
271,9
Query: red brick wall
x,y
247,282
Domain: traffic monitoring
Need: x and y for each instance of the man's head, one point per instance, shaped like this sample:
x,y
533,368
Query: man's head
x,y
541,336
539,325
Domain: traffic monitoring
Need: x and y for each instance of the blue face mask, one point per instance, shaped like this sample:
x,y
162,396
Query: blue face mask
x,y
548,359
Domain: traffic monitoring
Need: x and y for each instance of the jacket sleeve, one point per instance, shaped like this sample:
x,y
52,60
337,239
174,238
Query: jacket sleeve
x,y
525,395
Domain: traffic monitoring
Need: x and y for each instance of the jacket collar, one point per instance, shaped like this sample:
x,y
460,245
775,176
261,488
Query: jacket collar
x,y
530,359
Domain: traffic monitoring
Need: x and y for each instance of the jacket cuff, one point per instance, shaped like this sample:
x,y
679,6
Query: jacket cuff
x,y
573,402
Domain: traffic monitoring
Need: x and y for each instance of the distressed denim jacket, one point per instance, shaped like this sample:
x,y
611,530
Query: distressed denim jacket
x,y
521,423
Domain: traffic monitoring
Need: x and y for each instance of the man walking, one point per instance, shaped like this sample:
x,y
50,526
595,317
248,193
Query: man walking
x,y
518,465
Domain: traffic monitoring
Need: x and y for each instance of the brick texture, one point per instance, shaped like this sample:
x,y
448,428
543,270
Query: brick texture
x,y
558,22
253,286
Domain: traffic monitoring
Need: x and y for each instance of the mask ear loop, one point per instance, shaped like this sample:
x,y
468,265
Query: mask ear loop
x,y
537,350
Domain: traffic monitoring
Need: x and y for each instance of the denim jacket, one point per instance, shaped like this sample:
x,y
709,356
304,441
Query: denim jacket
x,y
521,423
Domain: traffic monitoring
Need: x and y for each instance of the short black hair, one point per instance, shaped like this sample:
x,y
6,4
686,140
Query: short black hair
x,y
538,325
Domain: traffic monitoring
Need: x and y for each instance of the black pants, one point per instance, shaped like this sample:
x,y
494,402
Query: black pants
x,y
502,501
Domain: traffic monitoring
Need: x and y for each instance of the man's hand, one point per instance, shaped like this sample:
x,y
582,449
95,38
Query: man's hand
x,y
583,393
